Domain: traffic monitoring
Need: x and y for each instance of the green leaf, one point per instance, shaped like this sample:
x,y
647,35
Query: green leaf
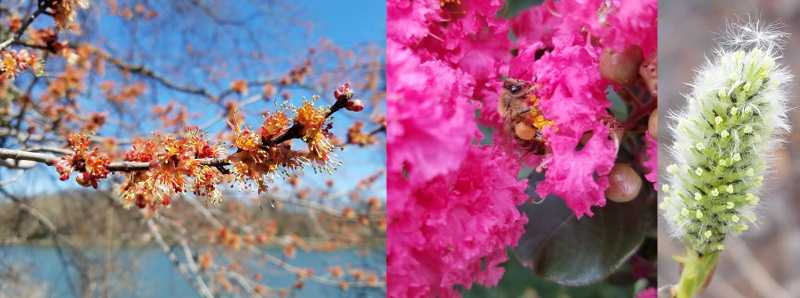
x,y
519,282
560,248
618,107
514,7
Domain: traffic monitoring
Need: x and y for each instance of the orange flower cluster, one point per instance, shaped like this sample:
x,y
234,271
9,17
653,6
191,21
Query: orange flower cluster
x,y
356,136
369,278
297,75
14,62
239,86
92,165
262,154
95,121
175,166
64,10
128,93
164,165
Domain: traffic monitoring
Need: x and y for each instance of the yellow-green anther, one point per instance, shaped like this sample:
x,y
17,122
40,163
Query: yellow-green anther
x,y
665,188
734,110
718,120
708,234
714,192
734,218
698,171
721,93
741,228
723,162
747,129
730,205
700,146
758,181
737,157
752,199
729,188
724,134
697,196
698,214
672,169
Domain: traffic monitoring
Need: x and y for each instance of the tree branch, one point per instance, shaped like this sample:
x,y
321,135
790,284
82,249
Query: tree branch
x,y
25,24
294,132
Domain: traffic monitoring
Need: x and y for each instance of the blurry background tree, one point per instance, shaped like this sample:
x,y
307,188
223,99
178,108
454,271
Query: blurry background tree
x,y
765,260
218,171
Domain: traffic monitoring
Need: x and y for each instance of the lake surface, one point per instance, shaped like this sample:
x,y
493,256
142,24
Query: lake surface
x,y
147,272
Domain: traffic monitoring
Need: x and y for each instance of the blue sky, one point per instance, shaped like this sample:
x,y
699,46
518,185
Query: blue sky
x,y
280,34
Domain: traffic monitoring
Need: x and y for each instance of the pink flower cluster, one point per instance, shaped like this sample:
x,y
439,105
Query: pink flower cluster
x,y
647,293
453,203
453,207
560,43
453,229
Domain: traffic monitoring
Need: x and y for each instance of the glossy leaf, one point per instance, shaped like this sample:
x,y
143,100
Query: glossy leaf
x,y
514,7
559,247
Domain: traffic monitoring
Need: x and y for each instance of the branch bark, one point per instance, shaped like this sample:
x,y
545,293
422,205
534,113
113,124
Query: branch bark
x,y
25,24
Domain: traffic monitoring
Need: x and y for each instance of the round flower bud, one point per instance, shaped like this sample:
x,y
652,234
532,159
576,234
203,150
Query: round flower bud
x,y
621,67
355,105
343,92
624,183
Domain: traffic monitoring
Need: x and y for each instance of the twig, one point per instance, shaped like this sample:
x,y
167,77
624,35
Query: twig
x,y
756,273
199,284
294,132
25,25
120,166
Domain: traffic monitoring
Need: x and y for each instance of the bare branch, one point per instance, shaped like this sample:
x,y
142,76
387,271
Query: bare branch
x,y
25,24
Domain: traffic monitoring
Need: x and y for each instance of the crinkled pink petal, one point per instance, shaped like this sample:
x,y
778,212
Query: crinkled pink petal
x,y
632,22
408,21
580,177
431,117
648,293
572,95
453,230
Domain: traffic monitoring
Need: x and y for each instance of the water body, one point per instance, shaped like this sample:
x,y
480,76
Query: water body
x,y
147,272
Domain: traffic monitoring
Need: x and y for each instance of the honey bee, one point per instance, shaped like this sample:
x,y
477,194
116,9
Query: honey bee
x,y
515,109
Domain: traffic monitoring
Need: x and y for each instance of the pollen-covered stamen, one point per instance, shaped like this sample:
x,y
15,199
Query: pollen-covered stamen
x,y
444,3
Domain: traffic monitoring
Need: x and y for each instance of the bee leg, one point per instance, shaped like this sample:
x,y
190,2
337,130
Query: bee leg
x,y
520,113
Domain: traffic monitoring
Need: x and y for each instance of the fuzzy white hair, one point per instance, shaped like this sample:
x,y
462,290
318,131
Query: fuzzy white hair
x,y
734,116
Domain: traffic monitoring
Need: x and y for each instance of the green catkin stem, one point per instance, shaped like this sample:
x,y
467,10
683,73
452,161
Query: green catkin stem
x,y
697,270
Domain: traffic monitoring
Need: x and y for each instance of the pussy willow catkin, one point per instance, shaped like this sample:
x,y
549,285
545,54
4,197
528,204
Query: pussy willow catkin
x,y
722,138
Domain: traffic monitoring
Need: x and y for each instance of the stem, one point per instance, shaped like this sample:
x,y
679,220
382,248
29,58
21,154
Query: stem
x,y
696,272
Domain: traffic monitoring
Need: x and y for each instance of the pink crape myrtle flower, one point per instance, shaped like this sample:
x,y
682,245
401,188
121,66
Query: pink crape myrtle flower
x,y
647,293
633,22
572,95
453,230
409,21
562,59
431,123
453,203
452,212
